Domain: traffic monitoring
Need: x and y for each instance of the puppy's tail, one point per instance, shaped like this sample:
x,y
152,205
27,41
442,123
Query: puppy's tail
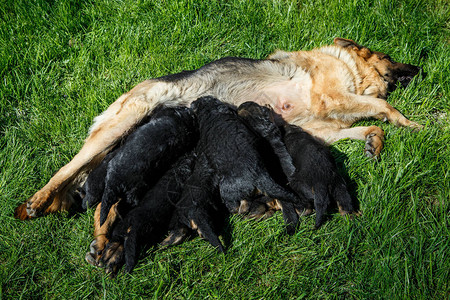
x,y
317,194
290,216
321,203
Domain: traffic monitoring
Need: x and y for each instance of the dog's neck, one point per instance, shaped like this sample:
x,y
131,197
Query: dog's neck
x,y
367,83
344,56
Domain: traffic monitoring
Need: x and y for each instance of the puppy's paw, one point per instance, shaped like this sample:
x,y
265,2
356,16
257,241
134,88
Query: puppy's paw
x,y
303,212
175,237
93,257
113,257
350,214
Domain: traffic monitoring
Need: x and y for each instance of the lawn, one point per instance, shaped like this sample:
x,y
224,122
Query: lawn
x,y
63,62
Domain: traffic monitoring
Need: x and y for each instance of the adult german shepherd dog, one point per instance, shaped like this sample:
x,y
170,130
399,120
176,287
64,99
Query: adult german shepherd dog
x,y
324,91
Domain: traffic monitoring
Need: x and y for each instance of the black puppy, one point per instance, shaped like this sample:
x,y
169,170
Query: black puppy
x,y
228,165
199,209
316,178
146,154
92,190
148,222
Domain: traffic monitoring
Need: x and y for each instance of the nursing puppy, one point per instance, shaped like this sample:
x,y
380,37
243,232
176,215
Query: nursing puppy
x,y
315,178
146,154
230,166
148,222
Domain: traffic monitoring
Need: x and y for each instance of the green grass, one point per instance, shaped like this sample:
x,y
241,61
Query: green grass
x,y
63,62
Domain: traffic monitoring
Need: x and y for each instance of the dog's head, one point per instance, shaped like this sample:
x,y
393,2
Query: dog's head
x,y
391,71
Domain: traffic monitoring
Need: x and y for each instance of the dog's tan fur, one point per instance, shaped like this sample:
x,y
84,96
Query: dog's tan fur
x,y
324,91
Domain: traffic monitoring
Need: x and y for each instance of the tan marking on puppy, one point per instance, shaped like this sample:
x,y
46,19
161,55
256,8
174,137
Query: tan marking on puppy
x,y
101,234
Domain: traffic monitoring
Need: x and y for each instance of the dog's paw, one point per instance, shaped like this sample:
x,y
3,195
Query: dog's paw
x,y
374,141
113,257
21,212
415,126
36,205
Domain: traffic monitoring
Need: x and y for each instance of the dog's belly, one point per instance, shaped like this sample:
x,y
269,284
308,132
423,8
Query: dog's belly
x,y
291,99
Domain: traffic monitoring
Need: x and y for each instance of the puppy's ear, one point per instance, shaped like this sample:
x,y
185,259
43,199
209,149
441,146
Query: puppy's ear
x,y
279,55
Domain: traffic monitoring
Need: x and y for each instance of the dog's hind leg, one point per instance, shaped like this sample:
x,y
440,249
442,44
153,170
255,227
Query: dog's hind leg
x,y
112,125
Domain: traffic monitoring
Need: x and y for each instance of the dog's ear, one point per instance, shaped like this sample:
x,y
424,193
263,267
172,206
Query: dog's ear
x,y
279,55
362,51
346,43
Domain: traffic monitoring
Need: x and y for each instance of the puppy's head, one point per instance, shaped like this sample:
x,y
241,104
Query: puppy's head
x,y
252,111
183,115
389,70
211,105
249,108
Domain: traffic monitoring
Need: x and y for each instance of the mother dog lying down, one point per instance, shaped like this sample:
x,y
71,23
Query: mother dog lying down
x,y
324,91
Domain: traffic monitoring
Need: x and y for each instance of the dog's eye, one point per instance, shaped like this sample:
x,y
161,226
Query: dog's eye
x,y
286,106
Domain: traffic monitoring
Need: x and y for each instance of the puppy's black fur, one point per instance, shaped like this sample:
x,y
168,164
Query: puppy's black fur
x,y
92,190
316,178
148,222
199,208
146,154
229,161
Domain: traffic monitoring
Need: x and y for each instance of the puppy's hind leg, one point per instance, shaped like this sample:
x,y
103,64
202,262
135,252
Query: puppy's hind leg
x,y
344,200
289,201
201,223
101,235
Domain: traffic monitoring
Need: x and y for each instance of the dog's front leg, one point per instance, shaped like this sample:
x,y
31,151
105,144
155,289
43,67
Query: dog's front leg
x,y
371,107
373,135
112,125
